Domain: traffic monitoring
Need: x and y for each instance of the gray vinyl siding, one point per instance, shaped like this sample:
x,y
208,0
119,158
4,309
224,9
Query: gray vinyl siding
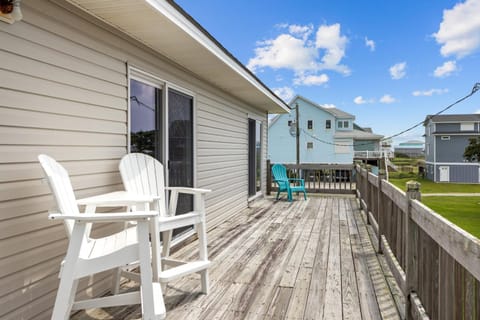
x,y
461,173
451,150
447,127
63,83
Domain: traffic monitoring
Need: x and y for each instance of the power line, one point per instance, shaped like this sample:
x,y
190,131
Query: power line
x,y
475,88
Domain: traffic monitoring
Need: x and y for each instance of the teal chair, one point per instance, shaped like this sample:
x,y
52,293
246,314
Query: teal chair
x,y
286,184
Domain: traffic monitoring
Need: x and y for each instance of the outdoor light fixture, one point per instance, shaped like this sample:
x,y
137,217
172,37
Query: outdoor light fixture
x,y
10,11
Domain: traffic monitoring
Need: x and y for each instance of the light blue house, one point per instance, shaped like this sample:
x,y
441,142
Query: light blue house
x,y
327,135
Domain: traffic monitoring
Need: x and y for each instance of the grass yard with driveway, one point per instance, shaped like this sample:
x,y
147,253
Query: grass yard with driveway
x,y
464,211
429,186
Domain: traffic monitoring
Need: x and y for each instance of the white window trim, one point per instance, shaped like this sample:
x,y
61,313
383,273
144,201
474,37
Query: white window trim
x,y
445,138
158,82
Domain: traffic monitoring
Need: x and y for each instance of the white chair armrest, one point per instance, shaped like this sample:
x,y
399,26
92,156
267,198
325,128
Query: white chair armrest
x,y
117,199
189,190
105,217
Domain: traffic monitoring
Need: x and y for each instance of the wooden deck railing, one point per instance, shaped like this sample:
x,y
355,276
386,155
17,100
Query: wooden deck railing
x,y
435,263
319,178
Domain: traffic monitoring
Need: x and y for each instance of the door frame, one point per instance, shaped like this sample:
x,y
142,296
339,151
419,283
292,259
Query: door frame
x,y
158,82
440,173
262,122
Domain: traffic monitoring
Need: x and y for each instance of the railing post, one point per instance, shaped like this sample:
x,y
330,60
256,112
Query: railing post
x,y
381,176
411,238
269,177
367,193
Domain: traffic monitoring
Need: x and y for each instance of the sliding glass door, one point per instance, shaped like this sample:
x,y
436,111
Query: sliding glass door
x,y
165,133
254,157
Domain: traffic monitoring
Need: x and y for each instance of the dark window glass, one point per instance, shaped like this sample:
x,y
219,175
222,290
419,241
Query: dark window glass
x,y
328,124
310,124
289,123
145,118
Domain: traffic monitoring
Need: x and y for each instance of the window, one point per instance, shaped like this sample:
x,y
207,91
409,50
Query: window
x,y
445,137
466,126
289,123
342,124
309,145
328,124
310,124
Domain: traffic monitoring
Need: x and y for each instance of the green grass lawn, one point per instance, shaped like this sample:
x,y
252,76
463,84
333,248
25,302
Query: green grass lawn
x,y
432,187
463,211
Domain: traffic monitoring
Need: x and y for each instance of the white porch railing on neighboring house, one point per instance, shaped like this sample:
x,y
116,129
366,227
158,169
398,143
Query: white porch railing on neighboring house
x,y
373,154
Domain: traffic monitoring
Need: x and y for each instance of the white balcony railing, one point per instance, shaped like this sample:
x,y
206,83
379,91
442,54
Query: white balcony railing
x,y
373,154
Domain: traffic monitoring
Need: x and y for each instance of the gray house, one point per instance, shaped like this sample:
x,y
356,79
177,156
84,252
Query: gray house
x,y
87,82
446,137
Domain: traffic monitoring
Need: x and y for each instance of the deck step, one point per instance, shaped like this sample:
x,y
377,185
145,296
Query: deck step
x,y
184,269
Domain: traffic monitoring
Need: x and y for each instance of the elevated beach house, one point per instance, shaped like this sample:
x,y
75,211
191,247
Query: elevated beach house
x,y
327,135
87,82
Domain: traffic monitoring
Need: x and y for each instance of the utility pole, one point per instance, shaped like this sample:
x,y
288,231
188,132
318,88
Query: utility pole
x,y
297,117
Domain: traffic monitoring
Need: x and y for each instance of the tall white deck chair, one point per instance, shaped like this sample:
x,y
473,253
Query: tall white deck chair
x,y
86,256
144,175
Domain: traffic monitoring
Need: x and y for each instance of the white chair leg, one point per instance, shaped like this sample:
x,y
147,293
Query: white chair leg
x,y
68,284
151,303
166,240
116,276
202,242
205,281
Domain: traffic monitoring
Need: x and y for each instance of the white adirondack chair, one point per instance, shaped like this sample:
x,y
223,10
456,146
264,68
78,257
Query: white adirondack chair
x,y
144,175
86,256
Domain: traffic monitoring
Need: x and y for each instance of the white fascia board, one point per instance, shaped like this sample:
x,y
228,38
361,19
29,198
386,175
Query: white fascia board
x,y
186,25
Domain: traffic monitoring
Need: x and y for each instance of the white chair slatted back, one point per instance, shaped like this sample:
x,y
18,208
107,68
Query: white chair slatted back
x,y
143,174
61,186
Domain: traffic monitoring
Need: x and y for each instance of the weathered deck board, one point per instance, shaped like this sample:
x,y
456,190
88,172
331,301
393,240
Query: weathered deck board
x,y
309,259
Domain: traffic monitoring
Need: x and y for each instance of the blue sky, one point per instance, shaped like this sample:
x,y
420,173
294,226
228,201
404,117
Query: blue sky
x,y
388,63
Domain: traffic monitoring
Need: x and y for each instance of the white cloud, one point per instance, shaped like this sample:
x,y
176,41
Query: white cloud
x,y
397,71
428,93
329,38
286,51
445,69
478,111
387,99
370,43
311,80
360,100
285,93
459,31
329,105
303,31
296,50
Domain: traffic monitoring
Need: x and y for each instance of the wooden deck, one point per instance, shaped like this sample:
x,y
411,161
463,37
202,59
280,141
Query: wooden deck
x,y
309,259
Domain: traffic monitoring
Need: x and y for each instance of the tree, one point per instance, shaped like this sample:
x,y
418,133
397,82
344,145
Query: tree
x,y
472,151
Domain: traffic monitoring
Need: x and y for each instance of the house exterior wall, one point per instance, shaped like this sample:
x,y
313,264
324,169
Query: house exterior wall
x,y
282,144
429,142
64,89
451,150
458,173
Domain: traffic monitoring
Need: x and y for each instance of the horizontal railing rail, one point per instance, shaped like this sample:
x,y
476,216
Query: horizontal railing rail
x,y
320,178
434,262
377,154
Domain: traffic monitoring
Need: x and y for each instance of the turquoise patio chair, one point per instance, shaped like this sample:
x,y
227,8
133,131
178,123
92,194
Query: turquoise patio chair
x,y
286,184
